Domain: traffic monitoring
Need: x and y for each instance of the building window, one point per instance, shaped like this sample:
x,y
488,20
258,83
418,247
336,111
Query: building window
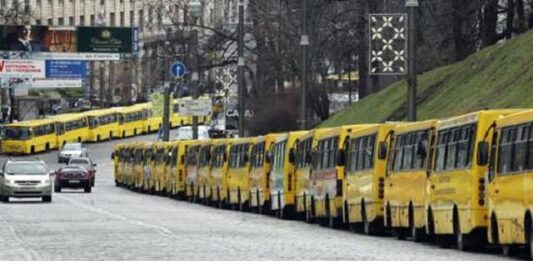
x,y
71,20
38,21
50,21
121,18
92,20
112,19
60,21
102,2
132,18
82,20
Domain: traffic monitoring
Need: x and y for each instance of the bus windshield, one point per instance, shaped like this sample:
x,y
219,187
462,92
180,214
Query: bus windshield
x,y
17,133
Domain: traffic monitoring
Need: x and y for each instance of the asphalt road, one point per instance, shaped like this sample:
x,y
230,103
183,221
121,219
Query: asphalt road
x,y
115,224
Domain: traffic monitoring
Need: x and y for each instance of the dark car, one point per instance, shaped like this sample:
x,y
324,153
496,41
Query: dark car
x,y
86,163
73,177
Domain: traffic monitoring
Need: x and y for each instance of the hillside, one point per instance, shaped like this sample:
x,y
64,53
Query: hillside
x,y
500,76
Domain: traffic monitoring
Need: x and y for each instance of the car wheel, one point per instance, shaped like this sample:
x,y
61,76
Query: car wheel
x,y
57,189
92,182
88,188
47,198
5,199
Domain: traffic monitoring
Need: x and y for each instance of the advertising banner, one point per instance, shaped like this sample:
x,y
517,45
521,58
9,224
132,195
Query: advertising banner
x,y
22,69
68,39
61,56
41,83
66,69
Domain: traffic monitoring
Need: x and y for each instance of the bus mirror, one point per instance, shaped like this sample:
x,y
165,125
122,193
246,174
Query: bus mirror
x,y
422,148
382,150
292,157
482,153
341,158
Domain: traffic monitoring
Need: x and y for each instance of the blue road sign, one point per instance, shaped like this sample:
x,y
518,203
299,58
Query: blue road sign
x,y
66,69
178,69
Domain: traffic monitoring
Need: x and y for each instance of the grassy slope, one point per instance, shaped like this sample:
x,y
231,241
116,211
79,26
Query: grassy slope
x,y
497,77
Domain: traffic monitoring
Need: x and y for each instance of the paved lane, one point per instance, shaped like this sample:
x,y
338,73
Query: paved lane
x,y
115,224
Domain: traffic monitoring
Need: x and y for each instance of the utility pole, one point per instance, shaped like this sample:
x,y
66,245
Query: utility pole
x,y
166,113
241,69
195,77
411,5
12,102
304,44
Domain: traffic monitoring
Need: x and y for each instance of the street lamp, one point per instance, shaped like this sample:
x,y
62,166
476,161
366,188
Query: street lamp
x,y
195,10
411,5
304,44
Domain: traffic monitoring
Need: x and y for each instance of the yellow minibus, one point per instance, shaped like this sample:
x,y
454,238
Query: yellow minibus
x,y
283,176
259,197
219,170
103,124
130,121
238,170
29,137
202,191
408,170
71,127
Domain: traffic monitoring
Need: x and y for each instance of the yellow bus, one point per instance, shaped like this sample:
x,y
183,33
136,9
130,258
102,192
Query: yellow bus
x,y
130,121
116,158
148,185
151,122
409,165
138,165
126,160
259,197
219,171
238,169
456,207
157,177
283,175
366,162
202,191
327,175
304,155
192,148
177,170
510,201
29,137
103,124
71,127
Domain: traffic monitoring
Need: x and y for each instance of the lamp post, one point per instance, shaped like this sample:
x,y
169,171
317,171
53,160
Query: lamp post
x,y
240,64
411,78
304,44
195,9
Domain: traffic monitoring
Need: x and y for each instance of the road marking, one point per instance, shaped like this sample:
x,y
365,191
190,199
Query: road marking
x,y
29,253
110,214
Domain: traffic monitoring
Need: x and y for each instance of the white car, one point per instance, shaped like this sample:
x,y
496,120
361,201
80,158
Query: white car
x,y
25,179
70,150
185,133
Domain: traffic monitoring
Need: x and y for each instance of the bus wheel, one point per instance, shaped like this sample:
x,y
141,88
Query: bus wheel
x,y
47,147
529,235
149,129
97,138
79,139
417,234
307,213
259,205
329,217
32,150
218,198
239,199
134,132
123,134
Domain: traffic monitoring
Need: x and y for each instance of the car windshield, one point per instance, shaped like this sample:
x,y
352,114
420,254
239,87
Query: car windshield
x,y
17,133
25,168
72,146
72,169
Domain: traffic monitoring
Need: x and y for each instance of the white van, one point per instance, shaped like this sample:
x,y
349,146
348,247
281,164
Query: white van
x,y
185,133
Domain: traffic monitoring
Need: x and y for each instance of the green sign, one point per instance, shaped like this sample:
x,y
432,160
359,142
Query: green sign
x,y
107,40
158,103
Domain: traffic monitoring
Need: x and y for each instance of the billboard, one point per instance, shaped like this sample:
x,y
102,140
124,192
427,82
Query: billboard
x,y
22,69
65,69
41,83
68,39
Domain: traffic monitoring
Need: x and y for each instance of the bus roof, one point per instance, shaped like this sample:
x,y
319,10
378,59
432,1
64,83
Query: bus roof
x,y
100,112
340,130
473,117
68,117
31,123
405,127
515,118
371,129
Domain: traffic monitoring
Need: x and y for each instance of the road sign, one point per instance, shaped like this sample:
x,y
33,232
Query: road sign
x,y
200,107
178,69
